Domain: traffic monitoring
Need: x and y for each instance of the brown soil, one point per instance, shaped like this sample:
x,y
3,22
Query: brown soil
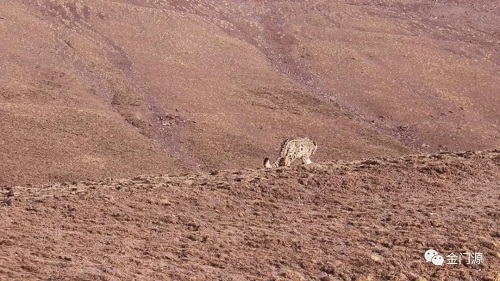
x,y
94,89
365,220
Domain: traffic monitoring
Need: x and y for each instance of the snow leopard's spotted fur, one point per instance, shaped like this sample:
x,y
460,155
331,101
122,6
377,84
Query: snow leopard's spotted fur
x,y
292,149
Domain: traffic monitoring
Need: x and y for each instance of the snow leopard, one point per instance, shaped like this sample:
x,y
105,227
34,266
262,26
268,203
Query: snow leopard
x,y
291,149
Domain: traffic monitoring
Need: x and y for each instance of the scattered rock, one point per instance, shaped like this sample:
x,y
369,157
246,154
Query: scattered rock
x,y
376,257
303,181
290,275
493,277
188,182
368,277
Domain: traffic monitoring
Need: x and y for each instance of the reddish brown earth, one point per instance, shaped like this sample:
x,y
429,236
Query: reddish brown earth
x,y
365,220
94,89
99,89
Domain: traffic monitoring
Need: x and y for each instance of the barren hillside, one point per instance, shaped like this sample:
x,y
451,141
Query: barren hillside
x,y
92,89
192,95
371,219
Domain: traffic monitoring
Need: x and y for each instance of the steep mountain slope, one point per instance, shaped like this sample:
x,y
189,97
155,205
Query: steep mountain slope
x,y
366,220
90,89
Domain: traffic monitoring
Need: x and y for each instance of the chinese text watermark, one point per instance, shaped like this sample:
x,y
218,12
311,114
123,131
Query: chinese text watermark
x,y
460,258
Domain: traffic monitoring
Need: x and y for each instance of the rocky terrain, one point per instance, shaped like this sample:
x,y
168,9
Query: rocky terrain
x,y
371,219
132,135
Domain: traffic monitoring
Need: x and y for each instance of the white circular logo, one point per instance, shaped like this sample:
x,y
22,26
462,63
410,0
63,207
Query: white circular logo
x,y
437,260
429,254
